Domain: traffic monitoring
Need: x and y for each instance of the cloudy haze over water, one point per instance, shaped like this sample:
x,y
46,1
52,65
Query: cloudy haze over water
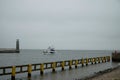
x,y
65,24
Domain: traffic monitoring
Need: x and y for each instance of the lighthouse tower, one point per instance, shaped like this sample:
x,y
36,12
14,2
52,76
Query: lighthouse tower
x,y
17,46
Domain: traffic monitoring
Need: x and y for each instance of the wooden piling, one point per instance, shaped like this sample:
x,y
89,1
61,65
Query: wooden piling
x,y
82,61
105,59
70,64
53,66
29,70
76,63
13,73
108,58
41,69
86,61
92,60
62,65
102,59
98,59
95,60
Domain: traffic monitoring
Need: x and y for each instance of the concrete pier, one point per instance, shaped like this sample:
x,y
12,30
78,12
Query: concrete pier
x,y
11,50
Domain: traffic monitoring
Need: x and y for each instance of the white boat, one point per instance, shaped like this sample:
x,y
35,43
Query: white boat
x,y
50,50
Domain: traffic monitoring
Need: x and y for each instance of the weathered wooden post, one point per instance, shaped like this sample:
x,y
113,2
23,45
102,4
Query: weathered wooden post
x,y
98,59
86,61
41,69
95,60
13,73
63,64
29,70
82,61
70,64
105,58
92,60
53,66
108,58
102,59
76,63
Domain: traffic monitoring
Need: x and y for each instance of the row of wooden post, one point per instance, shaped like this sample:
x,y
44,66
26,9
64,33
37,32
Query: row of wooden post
x,y
92,60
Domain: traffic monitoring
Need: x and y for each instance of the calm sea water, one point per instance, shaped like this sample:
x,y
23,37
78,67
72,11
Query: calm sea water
x,y
36,56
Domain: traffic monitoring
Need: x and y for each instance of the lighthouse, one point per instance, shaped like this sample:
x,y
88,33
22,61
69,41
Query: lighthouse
x,y
17,46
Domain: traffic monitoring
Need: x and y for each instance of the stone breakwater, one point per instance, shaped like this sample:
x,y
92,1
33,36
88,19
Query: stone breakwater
x,y
9,50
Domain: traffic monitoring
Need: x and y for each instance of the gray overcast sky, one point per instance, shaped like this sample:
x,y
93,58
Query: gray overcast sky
x,y
65,24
